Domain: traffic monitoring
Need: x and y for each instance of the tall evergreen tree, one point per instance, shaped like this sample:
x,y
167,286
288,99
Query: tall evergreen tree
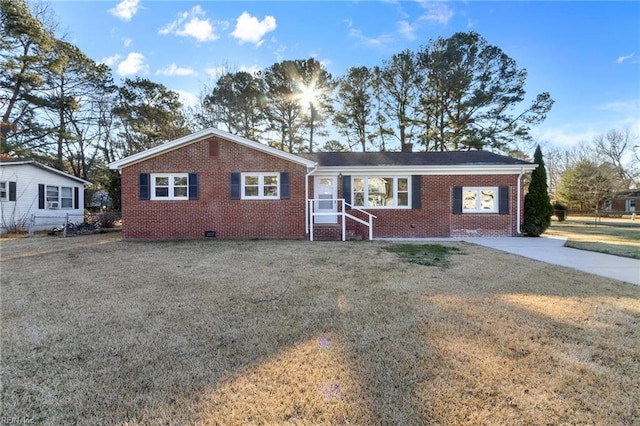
x,y
537,205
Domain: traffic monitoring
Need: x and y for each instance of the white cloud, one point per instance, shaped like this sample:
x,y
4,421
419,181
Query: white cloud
x,y
253,69
125,9
630,106
437,12
563,137
625,58
173,69
357,34
216,72
110,60
250,30
407,30
190,24
371,41
126,42
187,99
133,64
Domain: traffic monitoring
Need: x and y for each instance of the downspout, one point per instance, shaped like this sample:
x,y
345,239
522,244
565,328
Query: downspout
x,y
518,213
306,198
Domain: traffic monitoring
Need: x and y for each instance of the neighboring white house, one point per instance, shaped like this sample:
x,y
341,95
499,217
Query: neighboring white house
x,y
32,193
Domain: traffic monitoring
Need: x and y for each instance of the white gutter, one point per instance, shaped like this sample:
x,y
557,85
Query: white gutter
x,y
306,198
518,206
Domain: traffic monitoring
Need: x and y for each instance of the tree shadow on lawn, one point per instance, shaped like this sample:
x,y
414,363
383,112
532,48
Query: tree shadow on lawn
x,y
277,332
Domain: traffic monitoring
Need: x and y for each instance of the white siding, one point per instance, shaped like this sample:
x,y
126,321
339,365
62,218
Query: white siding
x,y
27,178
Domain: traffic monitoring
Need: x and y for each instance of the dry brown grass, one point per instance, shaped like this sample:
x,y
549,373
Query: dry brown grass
x,y
619,239
99,331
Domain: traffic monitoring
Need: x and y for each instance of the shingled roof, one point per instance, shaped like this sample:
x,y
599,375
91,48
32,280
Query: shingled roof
x,y
444,158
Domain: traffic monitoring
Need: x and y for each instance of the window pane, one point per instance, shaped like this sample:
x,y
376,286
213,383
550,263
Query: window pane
x,y
487,199
271,180
180,191
270,191
162,192
67,192
250,191
403,184
403,199
358,192
377,186
52,193
251,180
67,202
469,199
162,181
180,181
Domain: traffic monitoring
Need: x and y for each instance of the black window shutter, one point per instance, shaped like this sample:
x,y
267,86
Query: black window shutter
x,y
145,186
457,200
416,192
12,191
41,196
346,190
503,200
193,186
285,187
76,198
235,186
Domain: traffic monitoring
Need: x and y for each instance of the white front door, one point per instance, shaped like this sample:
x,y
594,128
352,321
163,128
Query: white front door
x,y
325,194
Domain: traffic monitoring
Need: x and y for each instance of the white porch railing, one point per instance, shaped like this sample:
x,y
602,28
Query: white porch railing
x,y
342,213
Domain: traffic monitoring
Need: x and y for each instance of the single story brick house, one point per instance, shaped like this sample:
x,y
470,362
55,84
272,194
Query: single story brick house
x,y
212,184
627,202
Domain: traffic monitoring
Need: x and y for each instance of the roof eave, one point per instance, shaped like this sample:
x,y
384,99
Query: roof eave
x,y
477,169
198,136
49,169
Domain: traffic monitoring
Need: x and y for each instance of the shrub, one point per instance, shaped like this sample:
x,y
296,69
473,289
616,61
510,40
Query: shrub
x,y
107,219
560,211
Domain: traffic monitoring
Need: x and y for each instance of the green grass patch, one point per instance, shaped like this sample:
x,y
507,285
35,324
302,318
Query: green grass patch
x,y
423,254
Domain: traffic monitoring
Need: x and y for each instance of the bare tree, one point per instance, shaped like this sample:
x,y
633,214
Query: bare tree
x,y
616,147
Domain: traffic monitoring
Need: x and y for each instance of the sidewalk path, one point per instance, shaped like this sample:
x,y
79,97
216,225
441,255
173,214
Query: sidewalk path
x,y
552,250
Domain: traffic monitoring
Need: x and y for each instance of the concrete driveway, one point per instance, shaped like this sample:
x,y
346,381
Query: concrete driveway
x,y
552,250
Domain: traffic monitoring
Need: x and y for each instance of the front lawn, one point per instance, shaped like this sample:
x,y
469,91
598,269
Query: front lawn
x,y
100,331
611,239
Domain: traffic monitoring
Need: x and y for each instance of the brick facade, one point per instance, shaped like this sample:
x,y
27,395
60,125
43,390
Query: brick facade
x,y
435,218
214,210
215,158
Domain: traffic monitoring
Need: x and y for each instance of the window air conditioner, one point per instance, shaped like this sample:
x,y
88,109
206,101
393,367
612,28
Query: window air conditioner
x,y
52,204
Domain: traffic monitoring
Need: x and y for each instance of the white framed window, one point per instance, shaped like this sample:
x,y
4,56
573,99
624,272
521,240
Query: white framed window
x,y
381,191
170,186
260,186
480,200
66,197
4,191
59,197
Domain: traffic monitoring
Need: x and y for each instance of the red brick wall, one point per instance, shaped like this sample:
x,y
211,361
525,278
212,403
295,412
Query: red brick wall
x,y
285,218
436,218
214,210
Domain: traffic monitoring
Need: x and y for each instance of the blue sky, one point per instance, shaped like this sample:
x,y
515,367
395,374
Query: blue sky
x,y
586,54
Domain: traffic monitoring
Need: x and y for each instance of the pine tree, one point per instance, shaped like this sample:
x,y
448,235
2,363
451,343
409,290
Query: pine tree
x,y
537,205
